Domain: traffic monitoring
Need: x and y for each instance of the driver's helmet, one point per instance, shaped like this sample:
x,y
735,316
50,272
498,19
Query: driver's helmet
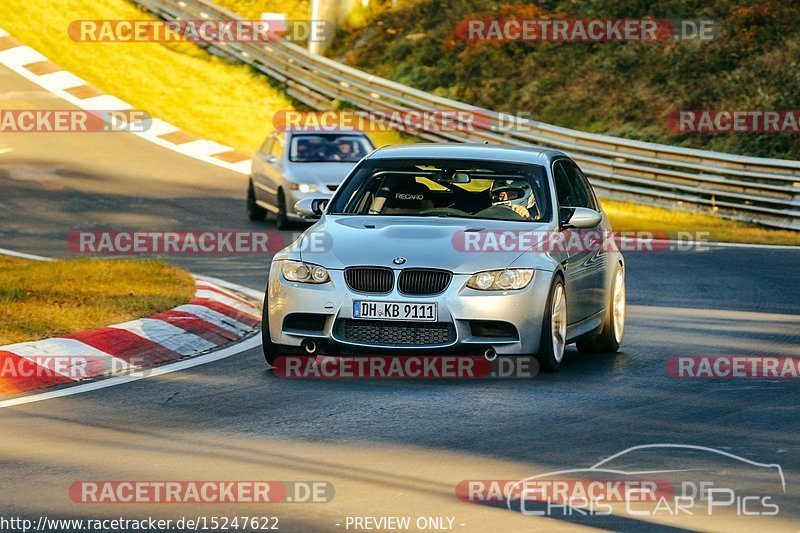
x,y
513,192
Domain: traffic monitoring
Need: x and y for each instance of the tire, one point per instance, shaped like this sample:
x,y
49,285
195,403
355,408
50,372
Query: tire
x,y
254,211
610,337
281,218
551,350
271,350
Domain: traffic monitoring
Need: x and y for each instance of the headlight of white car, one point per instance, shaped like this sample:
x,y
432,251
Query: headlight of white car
x,y
303,187
304,272
501,280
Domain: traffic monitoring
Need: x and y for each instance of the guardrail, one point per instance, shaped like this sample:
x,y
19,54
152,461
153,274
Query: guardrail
x,y
762,190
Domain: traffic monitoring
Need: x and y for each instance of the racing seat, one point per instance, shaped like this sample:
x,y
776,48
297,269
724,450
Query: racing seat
x,y
405,198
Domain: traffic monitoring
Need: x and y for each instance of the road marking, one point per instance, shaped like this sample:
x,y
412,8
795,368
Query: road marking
x,y
224,353
22,255
58,84
163,333
169,336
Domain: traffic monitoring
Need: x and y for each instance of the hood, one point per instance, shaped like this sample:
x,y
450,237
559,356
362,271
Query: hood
x,y
318,173
340,241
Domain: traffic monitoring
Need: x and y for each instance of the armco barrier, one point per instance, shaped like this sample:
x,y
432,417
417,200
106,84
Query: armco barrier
x,y
752,188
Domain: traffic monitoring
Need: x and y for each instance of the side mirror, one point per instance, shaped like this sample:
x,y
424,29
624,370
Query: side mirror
x,y
311,208
578,217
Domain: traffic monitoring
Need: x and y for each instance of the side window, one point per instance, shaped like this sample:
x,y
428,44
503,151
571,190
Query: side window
x,y
580,193
592,195
563,188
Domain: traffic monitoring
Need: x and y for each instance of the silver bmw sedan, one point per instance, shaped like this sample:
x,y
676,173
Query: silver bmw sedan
x,y
451,248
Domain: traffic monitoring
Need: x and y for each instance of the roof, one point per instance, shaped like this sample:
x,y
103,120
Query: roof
x,y
491,152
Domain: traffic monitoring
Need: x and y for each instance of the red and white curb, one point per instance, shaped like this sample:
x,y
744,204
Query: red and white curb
x,y
35,67
218,315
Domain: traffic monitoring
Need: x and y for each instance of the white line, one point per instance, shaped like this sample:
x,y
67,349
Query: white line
x,y
12,253
713,244
224,353
747,245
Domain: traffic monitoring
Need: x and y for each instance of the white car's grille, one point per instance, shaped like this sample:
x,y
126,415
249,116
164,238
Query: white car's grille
x,y
423,281
375,280
389,333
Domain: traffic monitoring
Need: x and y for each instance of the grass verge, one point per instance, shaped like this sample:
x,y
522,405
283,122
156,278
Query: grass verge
x,y
626,216
177,82
46,299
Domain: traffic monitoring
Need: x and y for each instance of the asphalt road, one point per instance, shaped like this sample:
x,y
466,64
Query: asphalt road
x,y
389,447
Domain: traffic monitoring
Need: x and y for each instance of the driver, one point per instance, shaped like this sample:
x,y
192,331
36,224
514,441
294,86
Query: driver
x,y
344,152
516,195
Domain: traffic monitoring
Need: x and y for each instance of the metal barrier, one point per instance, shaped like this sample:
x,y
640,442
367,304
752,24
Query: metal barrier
x,y
762,190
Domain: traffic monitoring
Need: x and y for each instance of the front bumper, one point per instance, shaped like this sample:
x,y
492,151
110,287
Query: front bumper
x,y
459,309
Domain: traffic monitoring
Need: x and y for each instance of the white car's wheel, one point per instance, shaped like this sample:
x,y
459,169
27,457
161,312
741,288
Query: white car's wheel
x,y
610,338
254,211
554,328
271,350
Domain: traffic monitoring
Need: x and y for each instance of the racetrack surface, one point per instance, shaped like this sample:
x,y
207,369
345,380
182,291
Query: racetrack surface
x,y
396,446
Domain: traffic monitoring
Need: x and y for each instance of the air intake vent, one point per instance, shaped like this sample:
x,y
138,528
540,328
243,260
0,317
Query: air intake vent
x,y
390,333
423,281
375,280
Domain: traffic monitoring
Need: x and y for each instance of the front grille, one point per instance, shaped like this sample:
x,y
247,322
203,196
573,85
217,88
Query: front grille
x,y
386,332
423,281
375,280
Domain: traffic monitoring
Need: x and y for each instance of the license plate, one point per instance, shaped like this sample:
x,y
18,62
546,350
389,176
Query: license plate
x,y
394,311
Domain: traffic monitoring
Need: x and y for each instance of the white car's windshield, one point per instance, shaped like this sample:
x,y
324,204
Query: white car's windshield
x,y
446,188
328,148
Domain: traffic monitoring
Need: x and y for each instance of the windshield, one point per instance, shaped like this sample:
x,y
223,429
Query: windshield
x,y
328,148
446,188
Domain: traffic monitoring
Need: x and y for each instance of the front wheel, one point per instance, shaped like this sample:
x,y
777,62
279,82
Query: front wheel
x,y
282,218
554,328
609,339
271,350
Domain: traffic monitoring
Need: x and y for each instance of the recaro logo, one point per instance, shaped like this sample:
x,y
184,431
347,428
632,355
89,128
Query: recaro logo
x,y
406,196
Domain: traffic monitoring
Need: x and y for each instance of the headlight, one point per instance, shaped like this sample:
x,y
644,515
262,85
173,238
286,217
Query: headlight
x,y
303,187
304,272
501,280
